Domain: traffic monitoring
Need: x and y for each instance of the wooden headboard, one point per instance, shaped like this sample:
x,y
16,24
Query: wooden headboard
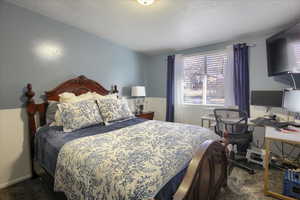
x,y
78,86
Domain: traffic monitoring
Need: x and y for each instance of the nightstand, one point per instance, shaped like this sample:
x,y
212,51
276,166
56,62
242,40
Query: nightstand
x,y
146,115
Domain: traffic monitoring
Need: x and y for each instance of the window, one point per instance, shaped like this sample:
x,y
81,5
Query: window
x,y
204,78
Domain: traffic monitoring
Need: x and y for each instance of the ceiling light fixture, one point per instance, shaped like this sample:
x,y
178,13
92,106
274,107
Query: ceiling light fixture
x,y
146,2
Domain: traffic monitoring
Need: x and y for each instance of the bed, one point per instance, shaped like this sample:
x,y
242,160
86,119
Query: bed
x,y
130,159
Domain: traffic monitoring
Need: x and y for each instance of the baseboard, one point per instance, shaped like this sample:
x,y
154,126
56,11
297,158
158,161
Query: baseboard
x,y
14,181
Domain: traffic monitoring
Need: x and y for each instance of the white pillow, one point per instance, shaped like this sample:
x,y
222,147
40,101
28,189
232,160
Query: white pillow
x,y
66,97
85,96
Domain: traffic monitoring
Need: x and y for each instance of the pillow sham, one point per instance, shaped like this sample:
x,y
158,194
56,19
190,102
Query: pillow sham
x,y
79,115
113,110
51,111
68,97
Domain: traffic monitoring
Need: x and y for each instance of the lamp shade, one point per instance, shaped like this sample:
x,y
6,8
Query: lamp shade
x,y
291,100
138,91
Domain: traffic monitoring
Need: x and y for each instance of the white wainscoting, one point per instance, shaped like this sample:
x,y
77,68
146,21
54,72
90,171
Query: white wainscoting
x,y
158,105
190,114
14,147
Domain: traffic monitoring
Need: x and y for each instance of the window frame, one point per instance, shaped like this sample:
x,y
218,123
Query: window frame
x,y
205,54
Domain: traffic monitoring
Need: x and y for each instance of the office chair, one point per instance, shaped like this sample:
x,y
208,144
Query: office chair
x,y
233,125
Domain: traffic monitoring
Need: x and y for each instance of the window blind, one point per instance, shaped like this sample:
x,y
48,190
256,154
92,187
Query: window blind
x,y
204,78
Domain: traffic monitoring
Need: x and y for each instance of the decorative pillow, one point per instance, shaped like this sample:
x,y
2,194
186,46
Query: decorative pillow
x,y
51,110
113,110
79,115
68,97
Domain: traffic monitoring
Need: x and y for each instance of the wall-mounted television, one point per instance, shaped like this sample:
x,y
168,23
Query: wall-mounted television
x,y
283,50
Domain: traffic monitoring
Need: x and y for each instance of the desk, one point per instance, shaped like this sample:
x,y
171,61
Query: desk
x,y
211,121
274,135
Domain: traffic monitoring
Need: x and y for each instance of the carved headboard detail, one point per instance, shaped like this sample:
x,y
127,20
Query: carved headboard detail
x,y
77,86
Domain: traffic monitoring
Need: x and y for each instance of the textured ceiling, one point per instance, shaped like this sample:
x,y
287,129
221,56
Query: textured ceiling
x,y
169,24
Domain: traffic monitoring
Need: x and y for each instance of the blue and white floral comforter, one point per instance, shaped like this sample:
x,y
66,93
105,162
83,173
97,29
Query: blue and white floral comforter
x,y
131,163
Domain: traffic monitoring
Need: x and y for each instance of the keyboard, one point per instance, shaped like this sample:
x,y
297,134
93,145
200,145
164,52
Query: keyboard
x,y
261,121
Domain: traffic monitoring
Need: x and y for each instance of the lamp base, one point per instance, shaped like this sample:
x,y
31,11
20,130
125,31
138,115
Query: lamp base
x,y
141,108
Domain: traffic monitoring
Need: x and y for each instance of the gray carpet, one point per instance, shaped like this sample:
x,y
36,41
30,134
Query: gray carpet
x,y
241,186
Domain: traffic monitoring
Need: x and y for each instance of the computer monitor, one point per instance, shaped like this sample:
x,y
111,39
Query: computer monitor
x,y
268,98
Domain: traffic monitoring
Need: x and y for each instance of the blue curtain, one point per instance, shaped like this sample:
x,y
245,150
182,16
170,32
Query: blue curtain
x,y
241,77
170,88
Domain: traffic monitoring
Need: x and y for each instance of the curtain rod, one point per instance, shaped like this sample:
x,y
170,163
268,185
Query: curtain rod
x,y
248,44
226,47
251,44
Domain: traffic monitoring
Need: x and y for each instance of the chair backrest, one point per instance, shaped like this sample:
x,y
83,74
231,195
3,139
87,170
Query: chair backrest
x,y
230,121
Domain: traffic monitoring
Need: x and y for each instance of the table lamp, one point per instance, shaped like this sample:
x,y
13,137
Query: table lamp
x,y
138,91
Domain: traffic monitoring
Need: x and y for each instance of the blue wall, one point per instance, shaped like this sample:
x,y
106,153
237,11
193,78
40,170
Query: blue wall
x,y
156,71
155,76
79,53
